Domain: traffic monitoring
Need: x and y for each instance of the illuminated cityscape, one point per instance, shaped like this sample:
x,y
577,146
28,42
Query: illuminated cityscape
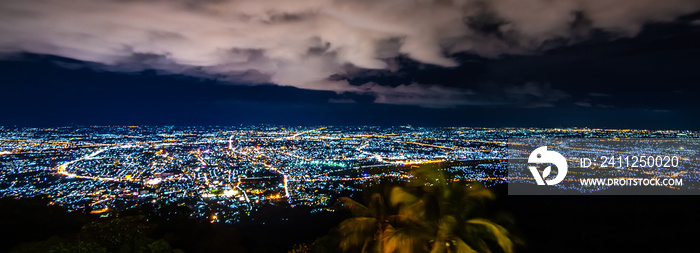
x,y
373,126
225,173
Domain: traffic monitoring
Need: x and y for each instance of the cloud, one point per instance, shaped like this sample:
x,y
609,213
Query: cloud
x,y
303,43
342,101
432,96
539,90
528,95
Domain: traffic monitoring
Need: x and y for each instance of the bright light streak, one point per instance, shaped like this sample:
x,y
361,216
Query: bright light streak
x,y
286,190
154,181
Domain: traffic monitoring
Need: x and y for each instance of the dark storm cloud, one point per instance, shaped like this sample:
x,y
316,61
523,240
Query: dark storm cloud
x,y
303,43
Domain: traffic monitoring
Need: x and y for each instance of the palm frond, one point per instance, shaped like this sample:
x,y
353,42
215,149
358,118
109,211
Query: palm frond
x,y
356,209
461,247
495,232
478,191
447,225
405,240
399,220
400,196
409,205
356,232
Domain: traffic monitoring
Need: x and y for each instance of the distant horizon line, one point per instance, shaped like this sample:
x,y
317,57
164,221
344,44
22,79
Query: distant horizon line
x,y
331,125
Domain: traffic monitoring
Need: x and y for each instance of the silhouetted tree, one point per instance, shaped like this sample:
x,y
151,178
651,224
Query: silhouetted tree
x,y
432,213
368,225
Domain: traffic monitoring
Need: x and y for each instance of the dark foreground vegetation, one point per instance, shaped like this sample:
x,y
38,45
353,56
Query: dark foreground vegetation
x,y
32,225
420,216
429,214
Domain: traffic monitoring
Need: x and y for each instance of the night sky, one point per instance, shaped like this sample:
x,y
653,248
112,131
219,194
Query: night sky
x,y
532,63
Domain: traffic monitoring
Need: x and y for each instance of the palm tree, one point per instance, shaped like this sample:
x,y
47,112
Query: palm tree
x,y
366,228
447,210
430,214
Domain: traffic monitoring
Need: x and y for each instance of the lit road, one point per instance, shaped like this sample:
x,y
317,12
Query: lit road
x,y
267,166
